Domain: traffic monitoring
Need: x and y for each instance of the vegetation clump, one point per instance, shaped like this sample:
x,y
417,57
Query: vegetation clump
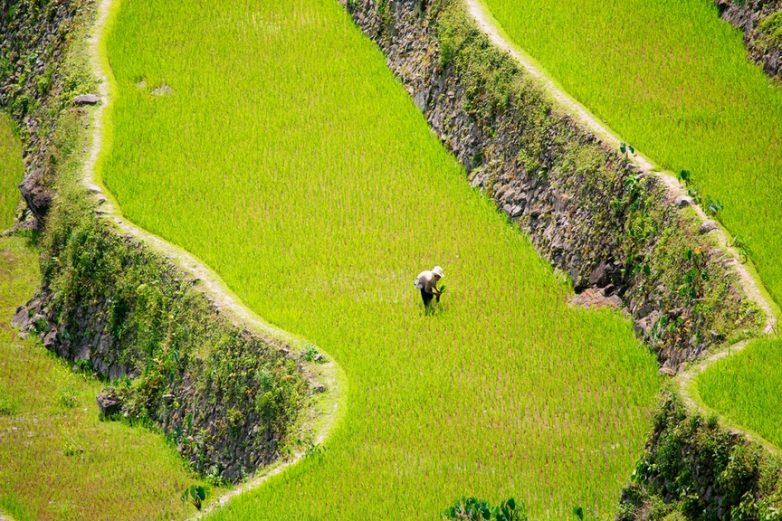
x,y
226,399
693,469
474,509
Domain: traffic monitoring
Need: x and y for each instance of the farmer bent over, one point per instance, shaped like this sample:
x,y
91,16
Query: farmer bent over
x,y
427,283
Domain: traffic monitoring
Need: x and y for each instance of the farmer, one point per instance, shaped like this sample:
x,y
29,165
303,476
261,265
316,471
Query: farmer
x,y
427,283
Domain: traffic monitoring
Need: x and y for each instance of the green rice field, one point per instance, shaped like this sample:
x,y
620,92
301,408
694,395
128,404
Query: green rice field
x,y
747,388
58,461
11,169
673,80
270,139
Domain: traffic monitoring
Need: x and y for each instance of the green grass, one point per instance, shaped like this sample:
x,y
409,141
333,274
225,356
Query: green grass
x,y
57,459
747,388
289,159
673,80
11,170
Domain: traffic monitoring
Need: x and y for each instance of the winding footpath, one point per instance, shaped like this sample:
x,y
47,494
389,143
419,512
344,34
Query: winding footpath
x,y
566,103
327,407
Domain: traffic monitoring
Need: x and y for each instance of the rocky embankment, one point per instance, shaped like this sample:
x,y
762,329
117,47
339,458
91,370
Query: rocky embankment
x,y
693,469
229,396
587,209
34,41
761,23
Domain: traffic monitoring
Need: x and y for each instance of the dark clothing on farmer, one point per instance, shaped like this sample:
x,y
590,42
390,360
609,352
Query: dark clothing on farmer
x,y
427,297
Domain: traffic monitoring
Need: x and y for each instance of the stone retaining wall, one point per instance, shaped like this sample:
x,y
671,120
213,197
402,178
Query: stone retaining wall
x,y
761,23
229,398
585,207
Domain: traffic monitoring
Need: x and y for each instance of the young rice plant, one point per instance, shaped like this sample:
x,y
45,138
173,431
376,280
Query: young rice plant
x,y
747,388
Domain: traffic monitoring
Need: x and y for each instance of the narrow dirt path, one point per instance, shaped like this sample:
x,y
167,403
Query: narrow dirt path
x,y
581,114
208,282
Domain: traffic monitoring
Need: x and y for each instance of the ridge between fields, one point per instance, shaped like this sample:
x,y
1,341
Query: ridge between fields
x,y
752,289
209,282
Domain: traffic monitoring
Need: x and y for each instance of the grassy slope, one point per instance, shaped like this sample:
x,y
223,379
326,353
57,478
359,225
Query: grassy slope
x,y
11,170
748,388
57,459
672,79
290,160
48,412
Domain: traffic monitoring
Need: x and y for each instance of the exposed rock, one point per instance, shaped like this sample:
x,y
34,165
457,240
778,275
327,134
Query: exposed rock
x,y
50,339
86,99
667,370
708,226
683,201
36,191
599,275
109,402
596,298
19,320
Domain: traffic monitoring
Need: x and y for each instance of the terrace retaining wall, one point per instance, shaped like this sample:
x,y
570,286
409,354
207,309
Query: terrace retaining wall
x,y
586,208
762,33
693,469
226,397
229,398
34,42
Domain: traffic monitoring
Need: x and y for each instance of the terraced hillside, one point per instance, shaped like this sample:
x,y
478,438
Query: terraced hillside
x,y
692,102
673,80
58,460
270,140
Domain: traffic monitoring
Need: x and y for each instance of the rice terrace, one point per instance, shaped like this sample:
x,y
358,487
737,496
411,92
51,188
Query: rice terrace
x,y
390,260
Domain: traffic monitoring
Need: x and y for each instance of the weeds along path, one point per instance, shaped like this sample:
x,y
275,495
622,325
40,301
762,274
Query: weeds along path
x,y
566,103
208,282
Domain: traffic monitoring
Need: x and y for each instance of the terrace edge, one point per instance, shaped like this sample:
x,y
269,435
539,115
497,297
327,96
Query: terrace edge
x,y
612,221
760,21
81,209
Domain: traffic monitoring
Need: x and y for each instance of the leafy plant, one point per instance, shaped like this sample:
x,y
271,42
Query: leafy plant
x,y
310,354
474,509
714,207
195,495
67,398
